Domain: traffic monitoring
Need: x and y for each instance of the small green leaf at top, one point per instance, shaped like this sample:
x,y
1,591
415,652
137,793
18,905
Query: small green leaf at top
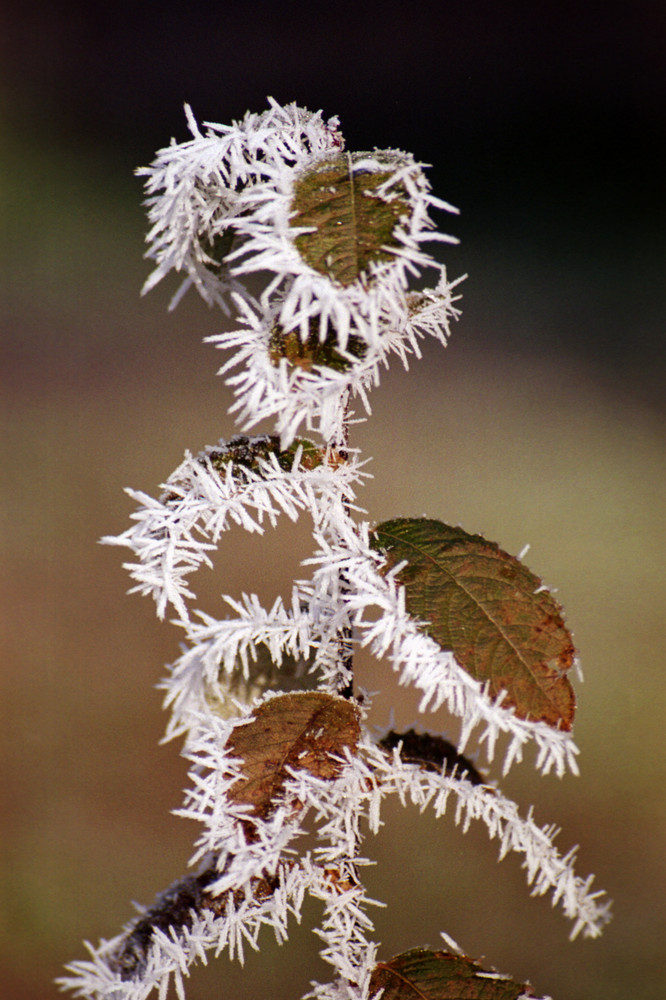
x,y
352,225
476,601
420,974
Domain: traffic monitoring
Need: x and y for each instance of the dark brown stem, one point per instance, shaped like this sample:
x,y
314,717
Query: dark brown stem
x,y
345,638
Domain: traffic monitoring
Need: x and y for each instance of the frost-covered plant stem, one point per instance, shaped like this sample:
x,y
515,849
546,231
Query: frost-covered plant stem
x,y
346,652
264,698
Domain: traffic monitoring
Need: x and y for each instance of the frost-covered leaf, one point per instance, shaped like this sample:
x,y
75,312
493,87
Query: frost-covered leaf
x,y
155,950
263,674
248,453
199,190
297,731
490,611
246,481
437,975
174,910
352,222
313,351
424,783
432,753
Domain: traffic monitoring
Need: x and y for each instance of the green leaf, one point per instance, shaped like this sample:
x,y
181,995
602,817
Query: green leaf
x,y
351,223
313,351
247,451
438,975
298,731
488,609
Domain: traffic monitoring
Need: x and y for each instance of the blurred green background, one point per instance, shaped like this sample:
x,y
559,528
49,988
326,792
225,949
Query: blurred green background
x,y
542,422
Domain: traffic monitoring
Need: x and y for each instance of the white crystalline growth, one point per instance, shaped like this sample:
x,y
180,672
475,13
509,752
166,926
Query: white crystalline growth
x,y
197,190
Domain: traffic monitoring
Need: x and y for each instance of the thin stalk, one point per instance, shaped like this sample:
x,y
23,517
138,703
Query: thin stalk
x,y
345,640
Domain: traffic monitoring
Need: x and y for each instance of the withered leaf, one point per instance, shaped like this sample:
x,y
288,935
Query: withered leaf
x,y
298,730
432,753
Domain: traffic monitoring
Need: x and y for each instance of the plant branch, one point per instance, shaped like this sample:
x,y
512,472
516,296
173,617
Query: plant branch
x,y
345,642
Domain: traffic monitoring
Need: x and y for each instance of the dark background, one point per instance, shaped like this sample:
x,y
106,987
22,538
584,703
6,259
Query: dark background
x,y
541,423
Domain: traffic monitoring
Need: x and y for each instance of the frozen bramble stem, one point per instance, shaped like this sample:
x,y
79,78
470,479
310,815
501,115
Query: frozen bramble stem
x,y
265,698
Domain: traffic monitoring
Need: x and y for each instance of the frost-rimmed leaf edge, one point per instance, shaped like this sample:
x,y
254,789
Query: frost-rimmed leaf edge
x,y
484,606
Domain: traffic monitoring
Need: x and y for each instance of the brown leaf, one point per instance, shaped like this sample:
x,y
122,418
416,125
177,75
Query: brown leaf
x,y
433,753
293,730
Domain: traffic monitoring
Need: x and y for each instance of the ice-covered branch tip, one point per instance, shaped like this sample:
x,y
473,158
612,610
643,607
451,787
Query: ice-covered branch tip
x,y
241,188
340,236
197,190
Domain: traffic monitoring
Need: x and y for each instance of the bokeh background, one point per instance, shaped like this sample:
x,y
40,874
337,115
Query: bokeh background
x,y
542,422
